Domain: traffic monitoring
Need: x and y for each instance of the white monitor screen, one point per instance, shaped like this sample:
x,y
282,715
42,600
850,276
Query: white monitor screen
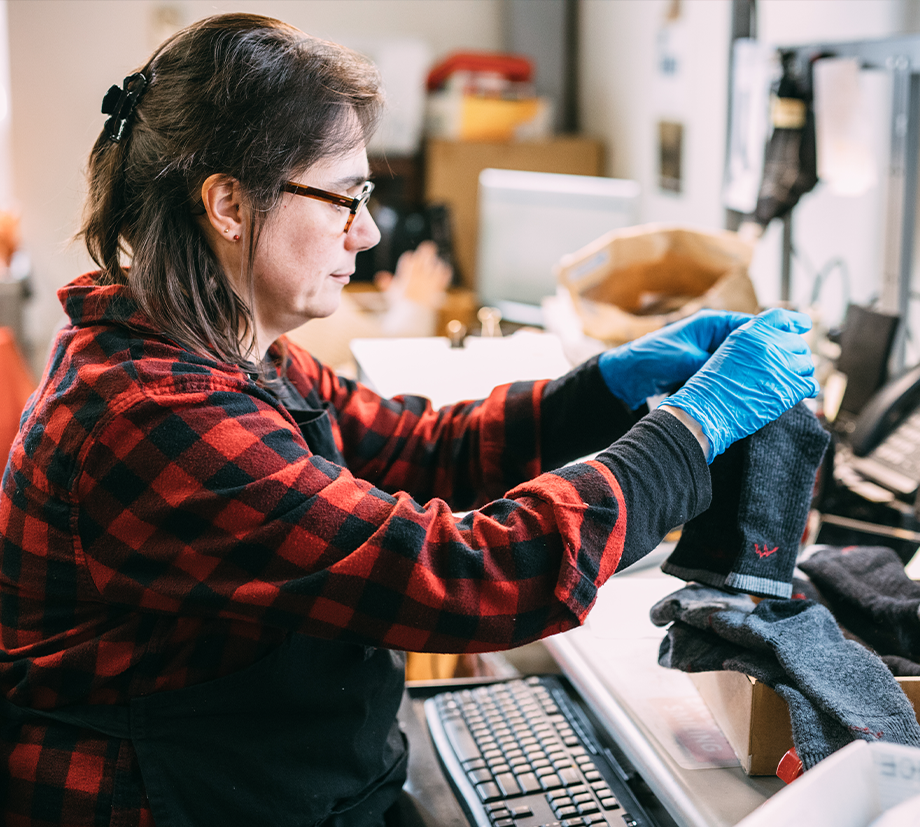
x,y
529,220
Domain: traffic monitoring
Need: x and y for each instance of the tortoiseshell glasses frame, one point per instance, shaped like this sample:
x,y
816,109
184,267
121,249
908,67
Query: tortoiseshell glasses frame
x,y
351,204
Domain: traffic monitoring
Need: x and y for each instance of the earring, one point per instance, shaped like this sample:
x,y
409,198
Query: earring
x,y
236,238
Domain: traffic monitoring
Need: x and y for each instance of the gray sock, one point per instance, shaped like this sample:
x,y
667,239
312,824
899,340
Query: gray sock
x,y
837,690
870,594
815,734
762,488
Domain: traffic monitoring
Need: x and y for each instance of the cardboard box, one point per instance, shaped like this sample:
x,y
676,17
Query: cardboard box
x,y
755,720
851,788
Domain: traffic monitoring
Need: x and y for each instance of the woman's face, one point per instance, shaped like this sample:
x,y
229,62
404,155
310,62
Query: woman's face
x,y
304,257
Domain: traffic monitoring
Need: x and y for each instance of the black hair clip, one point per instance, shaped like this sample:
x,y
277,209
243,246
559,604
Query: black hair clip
x,y
120,103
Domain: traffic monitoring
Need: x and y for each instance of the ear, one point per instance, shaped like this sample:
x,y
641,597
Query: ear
x,y
224,206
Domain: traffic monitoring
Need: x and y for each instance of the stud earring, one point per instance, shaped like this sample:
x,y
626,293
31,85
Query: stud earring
x,y
236,238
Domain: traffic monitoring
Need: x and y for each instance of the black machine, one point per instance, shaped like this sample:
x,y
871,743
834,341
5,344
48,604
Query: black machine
x,y
885,439
521,753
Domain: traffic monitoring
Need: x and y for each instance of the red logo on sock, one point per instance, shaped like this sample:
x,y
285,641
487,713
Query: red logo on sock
x,y
764,552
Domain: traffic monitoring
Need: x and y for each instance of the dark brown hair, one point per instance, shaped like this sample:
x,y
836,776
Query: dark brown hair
x,y
239,95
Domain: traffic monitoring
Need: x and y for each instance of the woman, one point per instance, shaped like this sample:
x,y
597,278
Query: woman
x,y
214,549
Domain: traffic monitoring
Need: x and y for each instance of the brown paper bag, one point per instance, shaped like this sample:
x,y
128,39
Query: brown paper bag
x,y
630,282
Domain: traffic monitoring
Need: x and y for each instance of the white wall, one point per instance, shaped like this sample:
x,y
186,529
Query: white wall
x,y
624,95
66,53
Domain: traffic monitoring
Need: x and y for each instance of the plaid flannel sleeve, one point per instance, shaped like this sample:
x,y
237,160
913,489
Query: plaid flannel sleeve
x,y
209,503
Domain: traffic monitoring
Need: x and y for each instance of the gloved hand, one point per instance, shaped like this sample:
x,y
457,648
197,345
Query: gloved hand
x,y
664,359
761,370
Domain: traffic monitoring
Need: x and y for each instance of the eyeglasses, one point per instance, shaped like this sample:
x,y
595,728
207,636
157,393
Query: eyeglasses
x,y
351,204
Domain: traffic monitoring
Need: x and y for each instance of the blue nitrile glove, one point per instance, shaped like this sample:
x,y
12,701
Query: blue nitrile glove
x,y
761,370
664,359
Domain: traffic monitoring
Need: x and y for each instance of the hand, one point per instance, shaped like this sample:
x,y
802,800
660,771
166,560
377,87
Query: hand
x,y
663,360
761,370
422,276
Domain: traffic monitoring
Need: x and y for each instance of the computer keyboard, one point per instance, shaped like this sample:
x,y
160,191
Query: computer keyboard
x,y
520,753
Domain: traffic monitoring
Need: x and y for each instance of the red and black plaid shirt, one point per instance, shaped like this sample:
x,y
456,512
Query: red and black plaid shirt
x,y
163,523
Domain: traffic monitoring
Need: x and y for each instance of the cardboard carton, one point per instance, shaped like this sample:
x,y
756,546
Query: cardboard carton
x,y
755,720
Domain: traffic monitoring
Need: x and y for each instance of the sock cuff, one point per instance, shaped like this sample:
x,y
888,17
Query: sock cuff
x,y
766,586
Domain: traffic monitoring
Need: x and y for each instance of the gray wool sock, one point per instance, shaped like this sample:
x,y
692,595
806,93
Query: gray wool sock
x,y
815,734
837,690
762,488
870,594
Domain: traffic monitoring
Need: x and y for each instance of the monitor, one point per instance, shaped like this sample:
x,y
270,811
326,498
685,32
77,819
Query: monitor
x,y
529,220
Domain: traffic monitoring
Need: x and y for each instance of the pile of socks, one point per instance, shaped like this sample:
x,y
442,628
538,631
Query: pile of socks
x,y
762,488
872,597
836,689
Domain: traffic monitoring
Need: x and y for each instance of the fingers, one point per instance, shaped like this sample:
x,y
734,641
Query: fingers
x,y
383,279
710,327
791,320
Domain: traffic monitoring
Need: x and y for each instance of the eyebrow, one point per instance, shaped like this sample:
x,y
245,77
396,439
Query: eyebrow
x,y
349,182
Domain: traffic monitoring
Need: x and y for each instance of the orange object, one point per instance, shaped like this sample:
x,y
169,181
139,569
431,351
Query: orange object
x,y
790,767
17,383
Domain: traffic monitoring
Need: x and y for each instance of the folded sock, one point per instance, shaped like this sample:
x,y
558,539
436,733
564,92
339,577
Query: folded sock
x,y
815,734
836,689
762,488
870,594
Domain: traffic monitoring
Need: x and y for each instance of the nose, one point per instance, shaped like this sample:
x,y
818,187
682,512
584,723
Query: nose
x,y
364,233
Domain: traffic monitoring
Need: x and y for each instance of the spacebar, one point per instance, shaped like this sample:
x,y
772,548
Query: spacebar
x,y
460,739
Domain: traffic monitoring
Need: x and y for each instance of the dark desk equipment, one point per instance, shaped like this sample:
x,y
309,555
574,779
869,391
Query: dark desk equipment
x,y
520,752
866,342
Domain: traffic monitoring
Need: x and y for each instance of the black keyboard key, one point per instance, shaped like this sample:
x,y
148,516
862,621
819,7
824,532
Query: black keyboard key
x,y
529,782
550,782
566,812
461,740
498,810
569,776
508,784
488,791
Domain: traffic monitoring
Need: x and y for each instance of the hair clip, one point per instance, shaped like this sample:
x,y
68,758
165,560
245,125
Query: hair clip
x,y
120,103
